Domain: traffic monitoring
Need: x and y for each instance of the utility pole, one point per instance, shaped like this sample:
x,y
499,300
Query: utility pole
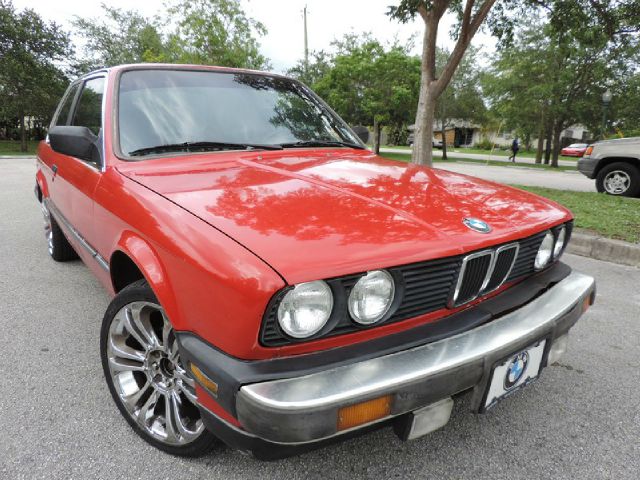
x,y
306,44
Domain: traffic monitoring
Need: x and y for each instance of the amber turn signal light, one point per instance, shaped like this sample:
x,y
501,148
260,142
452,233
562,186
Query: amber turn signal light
x,y
203,380
587,302
365,412
588,151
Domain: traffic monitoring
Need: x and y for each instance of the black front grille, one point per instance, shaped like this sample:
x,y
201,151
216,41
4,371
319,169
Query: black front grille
x,y
474,272
504,261
424,287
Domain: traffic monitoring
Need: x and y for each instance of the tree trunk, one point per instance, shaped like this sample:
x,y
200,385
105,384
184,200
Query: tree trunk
x,y
431,87
23,134
376,136
547,151
444,140
540,149
423,133
557,131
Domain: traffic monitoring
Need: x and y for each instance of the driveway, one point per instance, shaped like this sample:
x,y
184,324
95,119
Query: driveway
x,y
580,420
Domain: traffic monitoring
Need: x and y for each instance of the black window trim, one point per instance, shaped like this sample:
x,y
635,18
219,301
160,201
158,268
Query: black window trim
x,y
72,113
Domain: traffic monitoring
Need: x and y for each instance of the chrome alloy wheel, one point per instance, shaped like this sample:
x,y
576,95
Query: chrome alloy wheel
x,y
148,376
48,229
617,182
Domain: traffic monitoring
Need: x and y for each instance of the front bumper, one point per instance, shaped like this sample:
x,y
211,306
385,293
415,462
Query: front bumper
x,y
303,410
587,166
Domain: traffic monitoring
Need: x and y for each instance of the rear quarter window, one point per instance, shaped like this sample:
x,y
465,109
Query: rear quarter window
x,y
89,109
62,116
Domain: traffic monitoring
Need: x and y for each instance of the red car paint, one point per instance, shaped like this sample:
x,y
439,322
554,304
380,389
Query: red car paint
x,y
575,150
217,234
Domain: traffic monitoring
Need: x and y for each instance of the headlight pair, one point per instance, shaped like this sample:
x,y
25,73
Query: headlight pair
x,y
306,308
550,248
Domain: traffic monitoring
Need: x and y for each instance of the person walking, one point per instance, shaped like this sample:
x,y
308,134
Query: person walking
x,y
515,147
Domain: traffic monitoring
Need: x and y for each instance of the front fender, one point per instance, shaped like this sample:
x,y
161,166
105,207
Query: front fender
x,y
148,262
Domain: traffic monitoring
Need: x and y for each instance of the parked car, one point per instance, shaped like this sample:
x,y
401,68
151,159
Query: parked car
x,y
615,165
435,143
574,150
276,285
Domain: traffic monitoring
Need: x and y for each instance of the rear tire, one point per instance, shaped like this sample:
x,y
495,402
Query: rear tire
x,y
620,179
59,247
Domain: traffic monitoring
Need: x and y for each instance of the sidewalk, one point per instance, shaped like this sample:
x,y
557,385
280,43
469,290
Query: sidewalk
x,y
478,156
534,177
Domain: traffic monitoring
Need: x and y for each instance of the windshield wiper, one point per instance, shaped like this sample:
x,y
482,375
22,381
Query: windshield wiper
x,y
321,143
202,146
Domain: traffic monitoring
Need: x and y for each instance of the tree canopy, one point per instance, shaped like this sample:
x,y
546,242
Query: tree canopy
x,y
31,83
554,73
554,60
368,83
210,32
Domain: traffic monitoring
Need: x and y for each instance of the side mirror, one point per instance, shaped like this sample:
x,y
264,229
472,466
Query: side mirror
x,y
79,142
362,132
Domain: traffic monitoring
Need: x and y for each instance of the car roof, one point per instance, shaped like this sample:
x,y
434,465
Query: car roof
x,y
177,66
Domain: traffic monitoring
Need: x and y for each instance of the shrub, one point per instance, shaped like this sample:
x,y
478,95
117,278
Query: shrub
x,y
484,144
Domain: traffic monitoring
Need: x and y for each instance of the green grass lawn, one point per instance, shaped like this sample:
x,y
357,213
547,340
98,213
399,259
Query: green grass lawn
x,y
497,152
606,215
9,147
405,157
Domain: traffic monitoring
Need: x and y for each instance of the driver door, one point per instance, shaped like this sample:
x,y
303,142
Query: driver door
x,y
75,179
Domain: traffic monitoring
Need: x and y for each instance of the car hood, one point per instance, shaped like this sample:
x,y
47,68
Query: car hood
x,y
314,214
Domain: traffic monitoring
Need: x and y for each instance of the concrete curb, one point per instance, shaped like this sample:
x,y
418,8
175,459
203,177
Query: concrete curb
x,y
607,249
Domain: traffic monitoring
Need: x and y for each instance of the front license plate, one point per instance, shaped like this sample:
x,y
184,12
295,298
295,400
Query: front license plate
x,y
514,373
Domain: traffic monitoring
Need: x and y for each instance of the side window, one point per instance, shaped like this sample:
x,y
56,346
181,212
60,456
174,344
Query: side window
x,y
65,106
89,108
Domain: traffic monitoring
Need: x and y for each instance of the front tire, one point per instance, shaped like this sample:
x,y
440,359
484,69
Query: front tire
x,y
146,377
619,178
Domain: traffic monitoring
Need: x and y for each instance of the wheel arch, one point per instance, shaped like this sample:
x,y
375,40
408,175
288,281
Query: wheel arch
x,y
135,259
609,160
41,186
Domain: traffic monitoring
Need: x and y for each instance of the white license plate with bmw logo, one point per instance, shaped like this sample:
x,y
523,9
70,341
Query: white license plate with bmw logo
x,y
516,372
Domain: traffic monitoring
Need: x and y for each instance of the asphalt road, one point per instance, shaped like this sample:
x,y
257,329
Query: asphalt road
x,y
57,420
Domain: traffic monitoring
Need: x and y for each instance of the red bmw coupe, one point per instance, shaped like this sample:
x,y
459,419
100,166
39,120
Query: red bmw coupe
x,y
277,286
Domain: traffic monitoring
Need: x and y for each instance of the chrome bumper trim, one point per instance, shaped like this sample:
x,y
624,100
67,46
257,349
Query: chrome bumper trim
x,y
305,408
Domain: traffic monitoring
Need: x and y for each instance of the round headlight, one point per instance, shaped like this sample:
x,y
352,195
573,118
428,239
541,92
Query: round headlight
x,y
305,309
371,297
560,239
544,252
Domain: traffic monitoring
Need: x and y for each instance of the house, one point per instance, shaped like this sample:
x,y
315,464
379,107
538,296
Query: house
x,y
458,133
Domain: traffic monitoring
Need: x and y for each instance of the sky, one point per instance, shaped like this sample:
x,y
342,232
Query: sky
x,y
283,44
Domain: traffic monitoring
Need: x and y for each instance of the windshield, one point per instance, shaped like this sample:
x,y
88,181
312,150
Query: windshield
x,y
177,109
